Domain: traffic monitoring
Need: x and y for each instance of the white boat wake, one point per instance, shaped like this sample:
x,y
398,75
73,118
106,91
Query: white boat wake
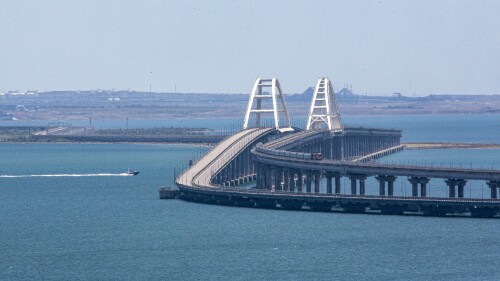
x,y
67,175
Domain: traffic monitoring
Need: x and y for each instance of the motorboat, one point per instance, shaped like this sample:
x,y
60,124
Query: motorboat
x,y
132,172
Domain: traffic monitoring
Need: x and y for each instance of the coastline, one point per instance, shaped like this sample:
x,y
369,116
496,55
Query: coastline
x,y
449,145
407,145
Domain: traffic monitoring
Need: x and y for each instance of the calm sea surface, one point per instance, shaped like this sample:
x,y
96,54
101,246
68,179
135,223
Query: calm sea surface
x,y
68,213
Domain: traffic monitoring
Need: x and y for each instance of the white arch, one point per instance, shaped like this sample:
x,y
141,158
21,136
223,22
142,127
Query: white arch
x,y
257,97
324,109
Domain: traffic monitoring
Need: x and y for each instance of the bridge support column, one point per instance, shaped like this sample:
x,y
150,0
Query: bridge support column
x,y
292,183
329,186
353,186
381,180
415,181
278,176
451,186
300,181
286,175
269,179
309,179
337,183
317,178
460,186
493,186
257,180
362,186
260,176
381,187
354,178
423,186
414,186
390,186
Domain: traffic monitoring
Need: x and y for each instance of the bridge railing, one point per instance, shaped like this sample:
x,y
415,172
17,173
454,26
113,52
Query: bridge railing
x,y
283,153
288,140
231,152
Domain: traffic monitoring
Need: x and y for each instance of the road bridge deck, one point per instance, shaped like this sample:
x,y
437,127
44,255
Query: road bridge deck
x,y
346,167
200,173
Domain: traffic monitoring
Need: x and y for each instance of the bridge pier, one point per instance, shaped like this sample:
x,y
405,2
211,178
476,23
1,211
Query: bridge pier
x,y
291,180
278,176
460,186
382,179
329,177
337,183
415,181
459,183
354,179
390,187
329,182
317,178
300,181
309,179
260,176
285,179
493,185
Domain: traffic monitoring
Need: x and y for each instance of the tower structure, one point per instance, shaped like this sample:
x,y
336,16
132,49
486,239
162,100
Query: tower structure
x,y
265,90
324,111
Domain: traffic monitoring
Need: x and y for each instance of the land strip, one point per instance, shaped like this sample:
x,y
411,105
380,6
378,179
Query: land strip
x,y
449,145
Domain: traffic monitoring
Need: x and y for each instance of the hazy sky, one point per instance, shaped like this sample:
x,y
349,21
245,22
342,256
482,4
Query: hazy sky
x,y
380,47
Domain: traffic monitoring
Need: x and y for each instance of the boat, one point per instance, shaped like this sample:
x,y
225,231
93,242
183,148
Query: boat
x,y
132,172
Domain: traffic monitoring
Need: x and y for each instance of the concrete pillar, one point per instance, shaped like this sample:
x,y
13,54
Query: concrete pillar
x,y
381,181
493,186
233,170
337,184
423,189
328,182
362,186
263,176
390,187
291,180
286,175
353,185
269,182
278,176
257,181
300,181
309,179
451,185
423,186
460,186
317,178
414,186
292,184
381,187
354,178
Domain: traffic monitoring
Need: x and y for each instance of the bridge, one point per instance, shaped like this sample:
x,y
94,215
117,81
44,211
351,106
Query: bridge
x,y
282,167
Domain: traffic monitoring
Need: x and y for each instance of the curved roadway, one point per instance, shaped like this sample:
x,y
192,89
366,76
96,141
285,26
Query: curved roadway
x,y
200,174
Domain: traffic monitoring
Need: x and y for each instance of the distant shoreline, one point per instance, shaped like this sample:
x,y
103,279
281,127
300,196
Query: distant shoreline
x,y
449,145
407,145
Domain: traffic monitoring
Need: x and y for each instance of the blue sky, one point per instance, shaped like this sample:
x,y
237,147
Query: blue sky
x,y
378,47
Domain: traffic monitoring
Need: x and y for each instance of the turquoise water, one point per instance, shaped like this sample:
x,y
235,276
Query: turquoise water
x,y
105,226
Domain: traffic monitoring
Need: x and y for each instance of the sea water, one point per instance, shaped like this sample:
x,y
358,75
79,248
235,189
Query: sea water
x,y
103,225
